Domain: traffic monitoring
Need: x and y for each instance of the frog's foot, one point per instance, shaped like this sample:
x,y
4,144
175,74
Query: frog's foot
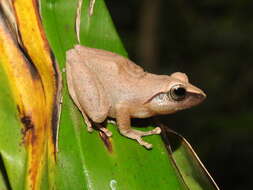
x,y
100,127
106,131
136,135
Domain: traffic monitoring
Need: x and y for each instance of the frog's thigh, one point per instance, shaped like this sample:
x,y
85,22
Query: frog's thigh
x,y
89,92
73,96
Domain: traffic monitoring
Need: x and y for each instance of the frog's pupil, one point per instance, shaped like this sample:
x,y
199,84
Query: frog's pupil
x,y
179,92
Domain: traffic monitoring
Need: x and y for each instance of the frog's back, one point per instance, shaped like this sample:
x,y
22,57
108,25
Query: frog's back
x,y
120,77
105,62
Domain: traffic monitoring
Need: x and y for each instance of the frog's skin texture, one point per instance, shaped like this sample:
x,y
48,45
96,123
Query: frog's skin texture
x,y
104,84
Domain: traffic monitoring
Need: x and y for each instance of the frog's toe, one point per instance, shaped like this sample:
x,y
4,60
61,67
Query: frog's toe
x,y
136,135
144,143
106,131
89,127
156,130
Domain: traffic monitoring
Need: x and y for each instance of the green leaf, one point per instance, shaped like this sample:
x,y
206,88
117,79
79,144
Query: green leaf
x,y
83,159
186,160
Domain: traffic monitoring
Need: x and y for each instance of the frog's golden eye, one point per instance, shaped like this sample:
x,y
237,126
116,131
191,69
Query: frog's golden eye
x,y
177,92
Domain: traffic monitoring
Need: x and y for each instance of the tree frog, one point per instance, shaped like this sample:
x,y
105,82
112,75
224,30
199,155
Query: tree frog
x,y
104,84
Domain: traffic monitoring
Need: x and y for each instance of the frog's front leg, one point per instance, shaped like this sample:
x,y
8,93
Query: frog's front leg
x,y
124,125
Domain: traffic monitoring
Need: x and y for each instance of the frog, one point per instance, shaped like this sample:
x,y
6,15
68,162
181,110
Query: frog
x,y
104,85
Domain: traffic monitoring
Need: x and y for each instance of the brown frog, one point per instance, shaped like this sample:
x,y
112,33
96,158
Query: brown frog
x,y
104,84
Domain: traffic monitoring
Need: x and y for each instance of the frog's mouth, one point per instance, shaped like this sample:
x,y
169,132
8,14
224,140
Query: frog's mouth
x,y
193,99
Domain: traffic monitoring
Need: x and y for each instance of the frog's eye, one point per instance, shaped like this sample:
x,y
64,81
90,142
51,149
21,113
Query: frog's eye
x,y
177,92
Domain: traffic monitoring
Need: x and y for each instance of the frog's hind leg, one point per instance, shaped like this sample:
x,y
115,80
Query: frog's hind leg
x,y
73,96
86,119
86,90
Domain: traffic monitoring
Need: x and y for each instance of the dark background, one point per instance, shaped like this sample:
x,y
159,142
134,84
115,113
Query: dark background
x,y
211,41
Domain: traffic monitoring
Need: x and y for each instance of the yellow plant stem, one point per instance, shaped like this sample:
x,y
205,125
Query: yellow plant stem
x,y
36,45
34,85
28,93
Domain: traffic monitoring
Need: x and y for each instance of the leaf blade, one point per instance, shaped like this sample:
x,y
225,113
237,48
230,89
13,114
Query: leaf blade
x,y
84,155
